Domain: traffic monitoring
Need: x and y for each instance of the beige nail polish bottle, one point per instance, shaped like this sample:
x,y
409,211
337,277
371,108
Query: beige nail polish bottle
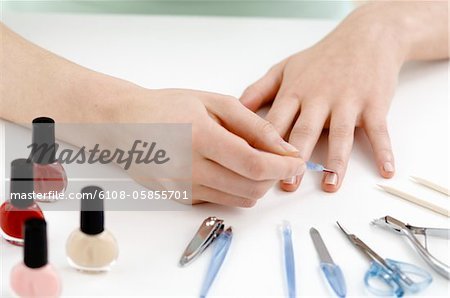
x,y
91,247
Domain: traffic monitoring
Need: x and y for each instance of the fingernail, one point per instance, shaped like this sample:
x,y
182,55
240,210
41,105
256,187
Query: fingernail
x,y
288,147
388,167
291,180
331,179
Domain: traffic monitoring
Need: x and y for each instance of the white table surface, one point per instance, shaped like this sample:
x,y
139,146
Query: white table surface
x,y
225,55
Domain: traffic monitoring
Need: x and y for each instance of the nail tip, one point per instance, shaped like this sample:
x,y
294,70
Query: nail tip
x,y
388,167
331,179
290,181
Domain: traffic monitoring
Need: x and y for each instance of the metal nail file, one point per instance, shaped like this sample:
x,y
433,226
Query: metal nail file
x,y
332,272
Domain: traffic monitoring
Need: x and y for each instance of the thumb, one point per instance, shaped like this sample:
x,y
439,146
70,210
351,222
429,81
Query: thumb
x,y
264,90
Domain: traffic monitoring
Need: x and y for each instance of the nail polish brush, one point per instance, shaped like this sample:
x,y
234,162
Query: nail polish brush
x,y
316,167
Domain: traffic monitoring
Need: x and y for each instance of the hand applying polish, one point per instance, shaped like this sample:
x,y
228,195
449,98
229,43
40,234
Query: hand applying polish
x,y
330,175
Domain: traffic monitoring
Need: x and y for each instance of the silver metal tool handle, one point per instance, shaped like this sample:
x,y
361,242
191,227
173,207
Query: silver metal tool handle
x,y
440,267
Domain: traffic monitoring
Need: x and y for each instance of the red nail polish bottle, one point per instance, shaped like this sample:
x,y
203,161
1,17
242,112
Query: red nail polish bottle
x,y
21,205
49,176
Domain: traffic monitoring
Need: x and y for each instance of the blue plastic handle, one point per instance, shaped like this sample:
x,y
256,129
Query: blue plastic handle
x,y
220,251
335,278
396,285
289,260
376,272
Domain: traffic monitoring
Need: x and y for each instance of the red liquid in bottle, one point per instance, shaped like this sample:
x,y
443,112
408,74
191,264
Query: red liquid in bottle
x,y
12,220
49,179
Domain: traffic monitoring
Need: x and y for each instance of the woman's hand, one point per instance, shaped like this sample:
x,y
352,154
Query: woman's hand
x,y
227,169
231,163
345,81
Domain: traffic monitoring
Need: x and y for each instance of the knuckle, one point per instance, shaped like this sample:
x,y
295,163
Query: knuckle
x,y
297,93
275,118
247,203
302,130
198,136
255,167
258,191
338,162
228,99
267,128
379,129
341,131
253,89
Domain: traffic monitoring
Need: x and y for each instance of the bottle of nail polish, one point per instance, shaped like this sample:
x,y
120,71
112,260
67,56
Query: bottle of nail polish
x,y
50,177
35,277
91,247
21,205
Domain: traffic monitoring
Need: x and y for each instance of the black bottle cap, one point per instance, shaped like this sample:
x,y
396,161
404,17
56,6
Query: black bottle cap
x,y
21,183
43,149
92,214
35,243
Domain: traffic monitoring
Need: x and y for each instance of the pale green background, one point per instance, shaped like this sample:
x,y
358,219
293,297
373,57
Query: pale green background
x,y
268,8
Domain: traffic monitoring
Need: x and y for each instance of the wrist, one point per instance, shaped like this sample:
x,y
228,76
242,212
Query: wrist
x,y
105,99
418,30
385,27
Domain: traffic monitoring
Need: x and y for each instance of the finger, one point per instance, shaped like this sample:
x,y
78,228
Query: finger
x,y
304,136
264,90
376,129
215,176
340,142
236,154
259,133
283,112
207,194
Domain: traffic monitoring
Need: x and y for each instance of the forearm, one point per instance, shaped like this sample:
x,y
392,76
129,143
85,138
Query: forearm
x,y
35,82
419,29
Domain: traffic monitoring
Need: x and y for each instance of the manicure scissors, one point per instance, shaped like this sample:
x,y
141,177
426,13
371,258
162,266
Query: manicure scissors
x,y
387,277
409,231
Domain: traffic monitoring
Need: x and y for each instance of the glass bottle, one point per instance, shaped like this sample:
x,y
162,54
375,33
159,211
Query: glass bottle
x,y
91,247
21,205
49,175
34,277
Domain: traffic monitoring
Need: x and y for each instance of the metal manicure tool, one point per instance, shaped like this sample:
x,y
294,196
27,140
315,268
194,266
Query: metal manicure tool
x,y
332,272
409,231
209,230
387,277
